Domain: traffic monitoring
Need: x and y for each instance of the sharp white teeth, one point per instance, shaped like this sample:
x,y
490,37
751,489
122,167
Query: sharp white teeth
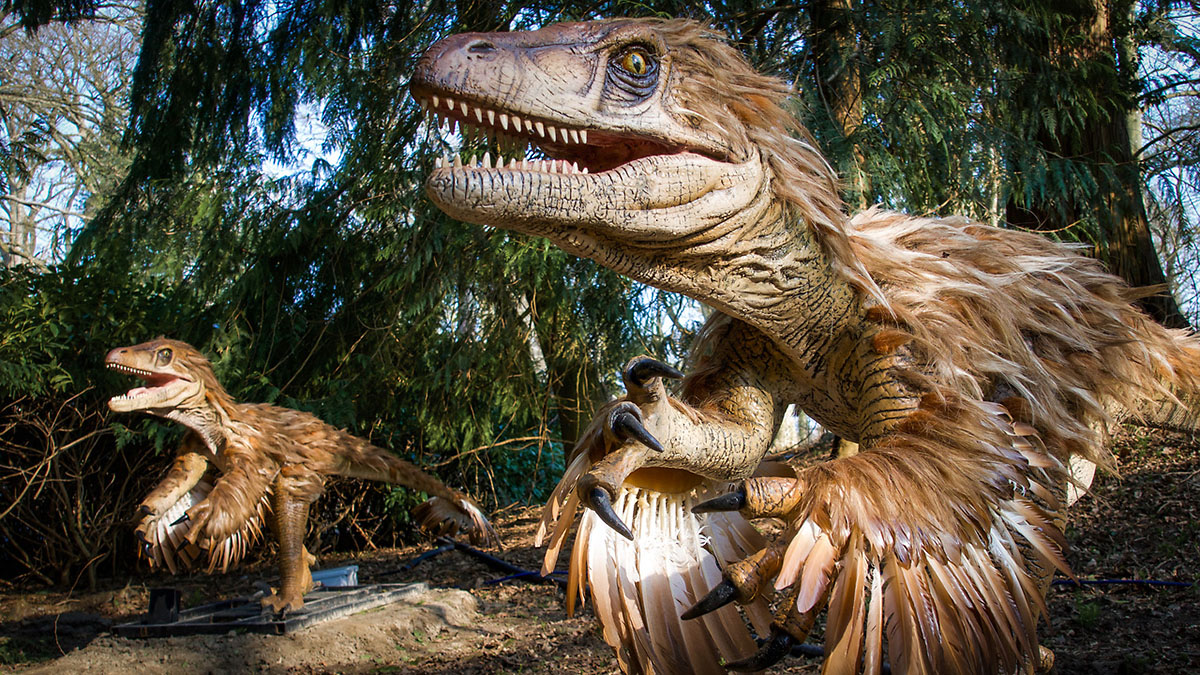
x,y
499,161
470,161
504,121
553,166
585,169
487,160
583,135
541,129
436,101
553,134
574,136
466,110
575,167
450,103
479,115
457,162
529,126
492,117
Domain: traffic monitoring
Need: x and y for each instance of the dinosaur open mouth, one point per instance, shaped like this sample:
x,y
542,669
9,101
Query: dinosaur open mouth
x,y
157,384
525,143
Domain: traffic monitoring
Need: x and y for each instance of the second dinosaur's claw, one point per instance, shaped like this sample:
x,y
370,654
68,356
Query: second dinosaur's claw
x,y
626,423
640,370
723,594
777,647
730,501
181,519
601,502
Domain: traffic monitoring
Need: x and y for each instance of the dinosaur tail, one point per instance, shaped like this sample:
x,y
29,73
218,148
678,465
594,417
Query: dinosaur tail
x,y
640,588
164,540
446,512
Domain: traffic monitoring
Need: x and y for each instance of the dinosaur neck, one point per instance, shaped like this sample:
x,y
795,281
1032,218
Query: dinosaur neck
x,y
210,418
756,266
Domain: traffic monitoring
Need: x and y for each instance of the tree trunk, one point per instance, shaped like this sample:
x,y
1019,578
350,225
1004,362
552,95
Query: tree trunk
x,y
839,81
1106,145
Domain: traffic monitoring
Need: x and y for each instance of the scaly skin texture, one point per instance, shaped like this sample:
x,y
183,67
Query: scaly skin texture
x,y
970,364
272,462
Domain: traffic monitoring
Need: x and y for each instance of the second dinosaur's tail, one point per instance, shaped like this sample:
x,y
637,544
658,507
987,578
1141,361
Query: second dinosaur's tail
x,y
446,512
439,516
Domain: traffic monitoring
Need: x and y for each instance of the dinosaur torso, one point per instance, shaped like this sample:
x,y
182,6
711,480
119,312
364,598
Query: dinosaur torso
x,y
969,362
270,461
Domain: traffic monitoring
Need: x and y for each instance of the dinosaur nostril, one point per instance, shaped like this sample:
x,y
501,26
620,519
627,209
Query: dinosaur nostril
x,y
481,47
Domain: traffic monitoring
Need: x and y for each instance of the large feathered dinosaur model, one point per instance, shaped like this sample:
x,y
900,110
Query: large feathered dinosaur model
x,y
970,363
271,462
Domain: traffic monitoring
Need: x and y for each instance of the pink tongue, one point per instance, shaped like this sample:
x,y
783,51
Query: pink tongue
x,y
137,391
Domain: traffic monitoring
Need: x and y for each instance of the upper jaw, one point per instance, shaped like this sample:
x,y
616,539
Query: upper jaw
x,y
546,88
162,390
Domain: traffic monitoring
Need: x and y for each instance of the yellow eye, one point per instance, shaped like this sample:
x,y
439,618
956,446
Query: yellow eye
x,y
636,62
164,356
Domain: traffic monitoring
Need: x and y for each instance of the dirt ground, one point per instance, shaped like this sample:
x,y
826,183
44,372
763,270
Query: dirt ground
x,y
1143,525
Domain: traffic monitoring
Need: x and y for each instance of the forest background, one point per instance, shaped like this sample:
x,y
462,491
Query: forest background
x,y
245,176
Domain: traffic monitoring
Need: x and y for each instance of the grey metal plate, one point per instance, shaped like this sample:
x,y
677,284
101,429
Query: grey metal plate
x,y
246,614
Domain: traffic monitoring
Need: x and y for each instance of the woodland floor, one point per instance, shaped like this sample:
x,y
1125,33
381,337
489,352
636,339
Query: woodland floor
x,y
1144,525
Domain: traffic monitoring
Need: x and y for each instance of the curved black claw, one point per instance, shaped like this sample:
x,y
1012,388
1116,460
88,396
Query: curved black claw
x,y
777,647
181,519
723,594
601,502
628,425
144,510
730,501
641,370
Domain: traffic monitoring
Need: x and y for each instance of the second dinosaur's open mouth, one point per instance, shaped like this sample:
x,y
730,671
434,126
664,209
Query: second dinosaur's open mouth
x,y
157,385
526,143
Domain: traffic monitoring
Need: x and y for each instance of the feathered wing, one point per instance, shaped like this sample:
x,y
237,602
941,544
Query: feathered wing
x,y
640,588
938,541
164,540
940,537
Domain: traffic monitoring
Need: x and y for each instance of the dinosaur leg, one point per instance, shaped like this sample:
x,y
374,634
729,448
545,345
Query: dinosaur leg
x,y
289,516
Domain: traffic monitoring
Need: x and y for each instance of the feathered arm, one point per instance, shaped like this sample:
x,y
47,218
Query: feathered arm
x,y
161,534
188,468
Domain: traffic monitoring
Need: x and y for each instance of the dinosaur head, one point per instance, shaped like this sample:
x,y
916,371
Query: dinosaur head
x,y
177,377
657,150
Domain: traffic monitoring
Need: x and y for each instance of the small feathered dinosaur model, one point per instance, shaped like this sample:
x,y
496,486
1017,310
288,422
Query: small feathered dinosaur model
x,y
271,463
973,365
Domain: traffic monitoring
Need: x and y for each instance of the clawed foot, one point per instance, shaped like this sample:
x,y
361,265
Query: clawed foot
x,y
279,603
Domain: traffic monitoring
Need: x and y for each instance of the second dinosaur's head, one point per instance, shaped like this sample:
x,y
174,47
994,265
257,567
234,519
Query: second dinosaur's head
x,y
176,376
650,140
